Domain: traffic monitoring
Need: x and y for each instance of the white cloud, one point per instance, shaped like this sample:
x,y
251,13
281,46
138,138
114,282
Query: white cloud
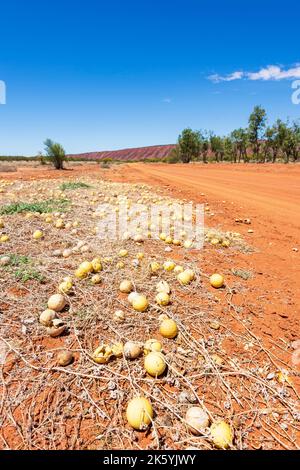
x,y
167,100
271,72
227,78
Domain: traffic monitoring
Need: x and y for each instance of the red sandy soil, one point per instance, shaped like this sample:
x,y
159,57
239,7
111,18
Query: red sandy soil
x,y
267,194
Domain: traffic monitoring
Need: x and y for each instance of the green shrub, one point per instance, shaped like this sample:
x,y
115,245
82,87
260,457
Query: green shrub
x,y
49,205
73,185
25,270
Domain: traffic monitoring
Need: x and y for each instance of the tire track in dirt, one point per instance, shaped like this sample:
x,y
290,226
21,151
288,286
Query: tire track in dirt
x,y
270,196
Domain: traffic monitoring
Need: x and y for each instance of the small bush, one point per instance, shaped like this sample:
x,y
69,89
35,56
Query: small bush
x,y
50,205
171,160
70,186
105,165
174,156
25,268
28,274
43,160
7,158
242,273
56,153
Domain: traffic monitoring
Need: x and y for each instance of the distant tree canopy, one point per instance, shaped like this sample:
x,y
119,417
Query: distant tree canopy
x,y
240,140
217,147
189,143
257,124
56,153
259,142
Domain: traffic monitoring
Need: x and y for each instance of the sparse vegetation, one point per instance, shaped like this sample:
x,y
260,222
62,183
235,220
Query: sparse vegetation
x,y
28,274
174,156
256,129
18,260
243,273
49,205
25,269
72,185
105,165
257,143
189,143
136,315
56,153
12,158
260,142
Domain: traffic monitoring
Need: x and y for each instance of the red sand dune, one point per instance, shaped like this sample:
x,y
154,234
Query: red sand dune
x,y
140,153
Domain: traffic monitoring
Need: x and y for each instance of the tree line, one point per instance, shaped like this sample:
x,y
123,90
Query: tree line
x,y
258,142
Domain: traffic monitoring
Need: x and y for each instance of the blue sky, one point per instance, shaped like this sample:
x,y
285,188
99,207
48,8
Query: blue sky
x,y
97,75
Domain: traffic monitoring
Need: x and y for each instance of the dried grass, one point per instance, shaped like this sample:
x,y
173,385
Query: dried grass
x,y
44,406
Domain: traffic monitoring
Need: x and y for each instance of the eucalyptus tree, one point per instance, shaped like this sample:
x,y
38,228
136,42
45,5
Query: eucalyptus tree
x,y
204,145
290,141
189,143
269,145
256,127
296,141
217,147
240,140
228,149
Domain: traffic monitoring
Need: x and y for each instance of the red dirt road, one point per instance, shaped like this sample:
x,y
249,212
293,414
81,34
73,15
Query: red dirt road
x,y
267,194
271,190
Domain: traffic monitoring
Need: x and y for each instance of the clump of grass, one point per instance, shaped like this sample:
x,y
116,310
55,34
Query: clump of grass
x,y
19,260
242,273
25,268
50,205
105,165
73,185
25,275
81,315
